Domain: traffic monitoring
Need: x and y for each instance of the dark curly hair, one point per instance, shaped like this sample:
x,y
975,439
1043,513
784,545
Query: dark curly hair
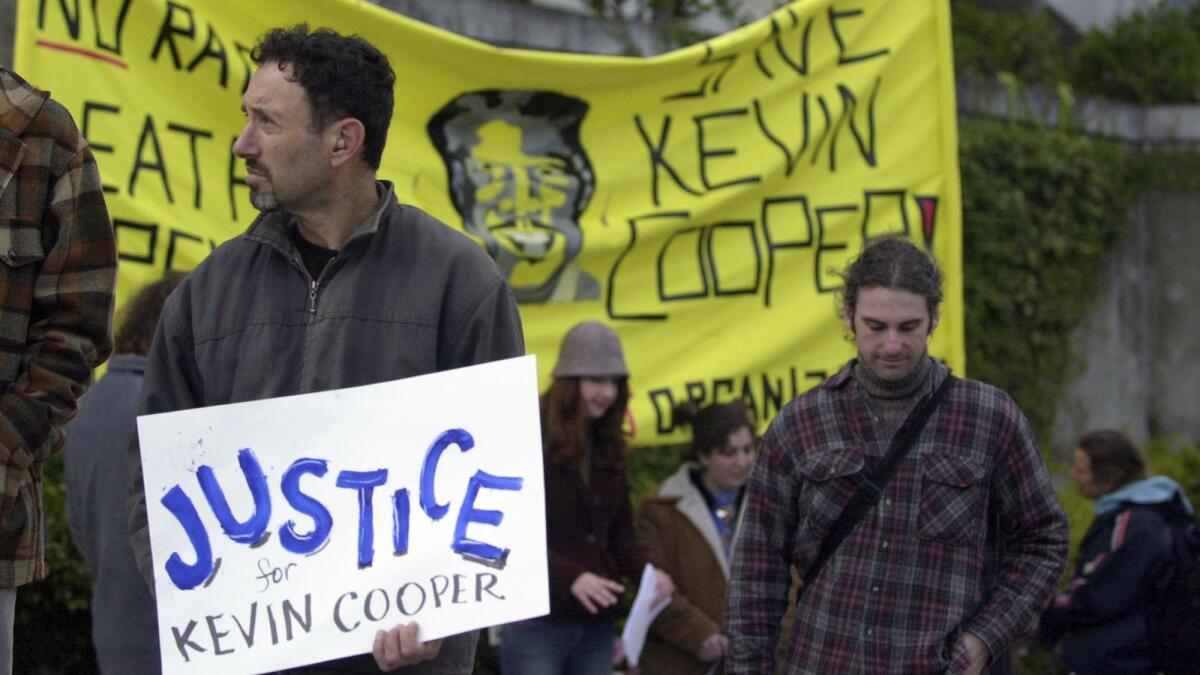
x,y
1115,459
141,316
711,425
892,262
344,76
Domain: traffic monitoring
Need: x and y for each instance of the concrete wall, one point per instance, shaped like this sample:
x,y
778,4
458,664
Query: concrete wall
x,y
1087,14
1174,220
509,23
1112,388
1141,345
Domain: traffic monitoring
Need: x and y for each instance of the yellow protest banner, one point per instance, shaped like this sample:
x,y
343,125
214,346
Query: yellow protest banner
x,y
700,201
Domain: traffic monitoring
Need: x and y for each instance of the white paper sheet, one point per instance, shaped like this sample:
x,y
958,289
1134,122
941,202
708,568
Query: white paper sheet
x,y
640,617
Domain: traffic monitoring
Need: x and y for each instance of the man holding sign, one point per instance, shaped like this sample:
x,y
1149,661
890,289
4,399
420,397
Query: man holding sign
x,y
335,284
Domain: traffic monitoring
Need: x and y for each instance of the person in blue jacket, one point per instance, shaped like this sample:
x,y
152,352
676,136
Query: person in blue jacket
x,y
124,618
1101,615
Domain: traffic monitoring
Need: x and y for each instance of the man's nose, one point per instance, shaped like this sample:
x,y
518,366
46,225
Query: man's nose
x,y
243,146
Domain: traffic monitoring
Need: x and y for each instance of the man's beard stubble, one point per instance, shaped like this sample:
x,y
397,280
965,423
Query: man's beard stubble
x,y
264,201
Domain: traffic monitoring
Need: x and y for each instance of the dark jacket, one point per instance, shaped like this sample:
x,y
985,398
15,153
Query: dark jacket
x,y
123,611
58,264
405,295
676,529
589,528
1101,615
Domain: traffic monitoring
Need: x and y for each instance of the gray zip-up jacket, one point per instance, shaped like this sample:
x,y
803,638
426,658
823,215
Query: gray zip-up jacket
x,y
405,295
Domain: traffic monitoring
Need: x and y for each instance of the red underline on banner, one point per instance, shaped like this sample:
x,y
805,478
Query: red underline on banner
x,y
82,52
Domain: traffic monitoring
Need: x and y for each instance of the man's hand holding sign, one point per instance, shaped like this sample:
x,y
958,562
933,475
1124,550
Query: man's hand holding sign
x,y
294,530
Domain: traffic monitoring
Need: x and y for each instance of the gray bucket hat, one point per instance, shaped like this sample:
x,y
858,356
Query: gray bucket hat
x,y
591,349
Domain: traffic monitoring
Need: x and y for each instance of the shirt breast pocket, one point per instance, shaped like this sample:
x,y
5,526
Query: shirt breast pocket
x,y
952,499
830,477
21,256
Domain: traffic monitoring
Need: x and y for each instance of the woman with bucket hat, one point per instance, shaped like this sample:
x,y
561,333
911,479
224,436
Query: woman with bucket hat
x,y
589,521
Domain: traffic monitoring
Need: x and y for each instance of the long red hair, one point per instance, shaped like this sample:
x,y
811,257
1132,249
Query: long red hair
x,y
566,427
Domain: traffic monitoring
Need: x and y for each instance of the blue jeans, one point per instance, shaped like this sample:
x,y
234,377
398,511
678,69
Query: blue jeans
x,y
546,646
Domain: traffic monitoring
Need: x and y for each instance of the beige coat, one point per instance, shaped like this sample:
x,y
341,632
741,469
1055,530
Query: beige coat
x,y
676,529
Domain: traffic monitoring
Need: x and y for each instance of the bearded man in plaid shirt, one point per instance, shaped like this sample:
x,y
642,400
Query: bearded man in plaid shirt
x,y
967,541
58,263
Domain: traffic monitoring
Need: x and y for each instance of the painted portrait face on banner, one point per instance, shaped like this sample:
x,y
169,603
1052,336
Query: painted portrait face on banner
x,y
520,180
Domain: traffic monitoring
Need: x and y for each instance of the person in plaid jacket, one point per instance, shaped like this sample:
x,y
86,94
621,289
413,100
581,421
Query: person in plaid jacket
x,y
967,541
58,264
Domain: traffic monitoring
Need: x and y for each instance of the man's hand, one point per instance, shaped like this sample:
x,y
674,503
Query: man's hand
x,y
976,651
713,648
663,588
595,592
399,647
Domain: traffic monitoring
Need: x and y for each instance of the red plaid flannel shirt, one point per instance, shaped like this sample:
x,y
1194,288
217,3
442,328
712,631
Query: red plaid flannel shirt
x,y
902,587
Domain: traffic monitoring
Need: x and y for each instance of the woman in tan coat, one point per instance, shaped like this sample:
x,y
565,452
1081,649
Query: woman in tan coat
x,y
685,528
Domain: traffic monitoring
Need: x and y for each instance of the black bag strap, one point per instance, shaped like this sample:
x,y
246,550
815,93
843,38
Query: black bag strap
x,y
871,488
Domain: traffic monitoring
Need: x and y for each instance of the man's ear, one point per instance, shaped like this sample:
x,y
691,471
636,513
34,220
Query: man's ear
x,y
346,140
848,319
935,317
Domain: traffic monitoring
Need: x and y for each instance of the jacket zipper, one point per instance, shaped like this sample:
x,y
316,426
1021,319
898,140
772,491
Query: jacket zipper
x,y
312,297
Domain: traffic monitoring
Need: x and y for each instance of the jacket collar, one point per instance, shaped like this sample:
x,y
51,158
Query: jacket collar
x,y
1148,491
19,104
841,377
271,228
127,363
690,503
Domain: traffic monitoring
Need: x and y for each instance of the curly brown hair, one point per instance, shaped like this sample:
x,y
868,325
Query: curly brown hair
x,y
711,425
892,262
343,75
141,316
1115,459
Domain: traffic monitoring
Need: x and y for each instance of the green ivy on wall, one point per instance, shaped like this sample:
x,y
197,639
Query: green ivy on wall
x,y
1026,45
1042,209
1151,56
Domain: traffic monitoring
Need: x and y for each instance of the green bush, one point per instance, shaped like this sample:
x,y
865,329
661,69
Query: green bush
x,y
1042,209
52,632
987,43
1175,459
1149,57
649,466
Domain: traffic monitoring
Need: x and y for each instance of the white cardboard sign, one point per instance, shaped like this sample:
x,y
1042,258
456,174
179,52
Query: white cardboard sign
x,y
288,531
